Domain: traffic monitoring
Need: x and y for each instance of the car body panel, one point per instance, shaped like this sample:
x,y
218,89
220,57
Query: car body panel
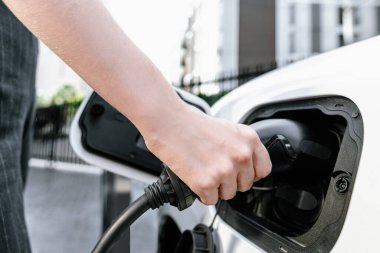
x,y
352,72
231,241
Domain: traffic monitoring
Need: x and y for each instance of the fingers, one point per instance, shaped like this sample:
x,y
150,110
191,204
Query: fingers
x,y
260,157
209,197
225,191
228,190
246,176
261,161
245,180
224,158
248,164
225,187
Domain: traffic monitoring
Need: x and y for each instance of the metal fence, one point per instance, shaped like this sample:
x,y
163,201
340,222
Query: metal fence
x,y
51,134
51,130
213,89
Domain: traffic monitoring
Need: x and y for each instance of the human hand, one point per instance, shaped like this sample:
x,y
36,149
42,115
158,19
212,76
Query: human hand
x,y
214,157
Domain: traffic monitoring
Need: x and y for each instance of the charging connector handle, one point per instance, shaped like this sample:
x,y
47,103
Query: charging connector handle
x,y
168,189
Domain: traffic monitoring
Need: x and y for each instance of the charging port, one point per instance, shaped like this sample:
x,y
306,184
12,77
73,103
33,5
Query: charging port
x,y
314,148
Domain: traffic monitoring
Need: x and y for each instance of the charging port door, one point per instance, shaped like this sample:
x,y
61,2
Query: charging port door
x,y
104,137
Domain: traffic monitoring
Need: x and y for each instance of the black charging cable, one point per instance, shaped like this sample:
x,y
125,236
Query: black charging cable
x,y
167,189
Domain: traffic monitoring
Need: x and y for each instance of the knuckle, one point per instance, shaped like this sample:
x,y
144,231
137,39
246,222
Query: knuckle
x,y
253,137
243,155
226,171
206,185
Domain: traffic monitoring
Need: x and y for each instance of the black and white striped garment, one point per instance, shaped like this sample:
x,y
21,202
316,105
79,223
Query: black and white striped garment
x,y
18,53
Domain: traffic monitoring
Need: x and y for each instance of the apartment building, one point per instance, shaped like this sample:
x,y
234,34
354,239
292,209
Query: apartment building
x,y
228,35
307,27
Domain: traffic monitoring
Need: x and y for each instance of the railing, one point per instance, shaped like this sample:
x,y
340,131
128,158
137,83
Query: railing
x,y
213,89
51,131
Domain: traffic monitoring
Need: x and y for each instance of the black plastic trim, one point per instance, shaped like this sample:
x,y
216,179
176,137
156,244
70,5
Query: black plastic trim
x,y
108,133
322,236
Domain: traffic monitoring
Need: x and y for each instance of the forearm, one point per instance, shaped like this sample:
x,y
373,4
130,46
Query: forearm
x,y
85,36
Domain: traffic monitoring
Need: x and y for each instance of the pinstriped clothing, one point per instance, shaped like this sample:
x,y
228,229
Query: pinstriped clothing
x,y
18,51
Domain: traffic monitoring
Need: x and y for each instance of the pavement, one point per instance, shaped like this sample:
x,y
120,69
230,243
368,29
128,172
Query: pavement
x,y
64,213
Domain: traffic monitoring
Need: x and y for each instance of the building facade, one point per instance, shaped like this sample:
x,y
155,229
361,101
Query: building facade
x,y
230,35
308,27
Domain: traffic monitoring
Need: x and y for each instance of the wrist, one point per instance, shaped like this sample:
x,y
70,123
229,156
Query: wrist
x,y
171,128
164,120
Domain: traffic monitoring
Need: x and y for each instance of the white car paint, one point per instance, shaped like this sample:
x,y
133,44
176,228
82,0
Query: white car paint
x,y
352,72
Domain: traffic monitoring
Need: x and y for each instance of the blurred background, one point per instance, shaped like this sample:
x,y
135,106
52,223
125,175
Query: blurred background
x,y
207,47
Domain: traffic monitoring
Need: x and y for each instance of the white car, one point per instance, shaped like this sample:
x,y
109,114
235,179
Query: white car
x,y
326,200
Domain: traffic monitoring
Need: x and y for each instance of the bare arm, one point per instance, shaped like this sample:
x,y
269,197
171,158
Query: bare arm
x,y
86,37
214,157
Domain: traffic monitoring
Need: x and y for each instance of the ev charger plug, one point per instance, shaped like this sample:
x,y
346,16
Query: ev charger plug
x,y
169,188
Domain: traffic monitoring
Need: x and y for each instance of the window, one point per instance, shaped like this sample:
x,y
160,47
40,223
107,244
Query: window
x,y
292,14
340,15
353,12
355,15
292,43
378,20
356,37
316,28
341,40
